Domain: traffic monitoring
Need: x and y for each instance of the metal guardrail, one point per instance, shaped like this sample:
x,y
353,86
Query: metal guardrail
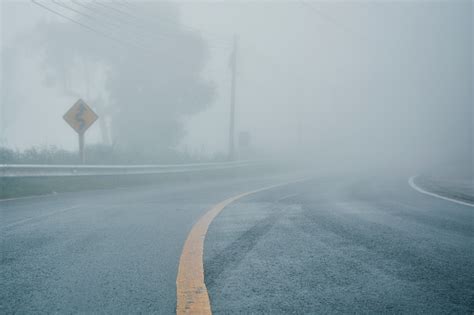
x,y
30,170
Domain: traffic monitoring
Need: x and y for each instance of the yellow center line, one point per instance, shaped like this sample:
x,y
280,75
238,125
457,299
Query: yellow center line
x,y
191,292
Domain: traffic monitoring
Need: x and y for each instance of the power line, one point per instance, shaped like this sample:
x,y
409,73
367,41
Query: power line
x,y
218,38
145,41
327,17
142,27
102,11
111,29
99,32
101,22
137,44
122,42
211,39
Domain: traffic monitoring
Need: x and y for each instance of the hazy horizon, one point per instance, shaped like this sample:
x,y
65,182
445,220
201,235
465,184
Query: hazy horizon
x,y
364,81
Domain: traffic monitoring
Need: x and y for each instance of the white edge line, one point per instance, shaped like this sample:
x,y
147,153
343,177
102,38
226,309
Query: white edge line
x,y
411,182
28,197
38,217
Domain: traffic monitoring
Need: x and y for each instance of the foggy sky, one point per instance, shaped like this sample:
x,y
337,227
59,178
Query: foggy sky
x,y
345,81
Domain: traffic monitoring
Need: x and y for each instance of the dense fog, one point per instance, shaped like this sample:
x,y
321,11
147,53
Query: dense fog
x,y
349,84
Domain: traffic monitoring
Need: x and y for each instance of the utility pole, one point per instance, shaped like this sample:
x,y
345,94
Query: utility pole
x,y
4,98
3,123
233,64
3,120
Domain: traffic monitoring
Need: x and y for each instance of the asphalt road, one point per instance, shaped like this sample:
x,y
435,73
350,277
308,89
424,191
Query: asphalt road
x,y
341,245
332,244
108,251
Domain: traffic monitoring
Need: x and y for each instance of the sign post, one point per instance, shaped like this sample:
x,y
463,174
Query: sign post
x,y
80,117
82,156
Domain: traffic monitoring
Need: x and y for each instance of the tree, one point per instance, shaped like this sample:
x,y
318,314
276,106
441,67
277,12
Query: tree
x,y
151,70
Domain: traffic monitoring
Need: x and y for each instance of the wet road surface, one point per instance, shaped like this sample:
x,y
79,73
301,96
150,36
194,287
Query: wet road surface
x,y
102,251
333,244
341,246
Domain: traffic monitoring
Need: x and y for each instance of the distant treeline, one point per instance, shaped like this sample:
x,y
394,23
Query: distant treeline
x,y
97,154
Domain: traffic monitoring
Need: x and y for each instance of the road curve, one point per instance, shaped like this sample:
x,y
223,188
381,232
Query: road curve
x,y
191,291
341,245
414,185
335,244
107,251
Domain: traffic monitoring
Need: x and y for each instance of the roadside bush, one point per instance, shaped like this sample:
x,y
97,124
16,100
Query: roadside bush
x,y
99,154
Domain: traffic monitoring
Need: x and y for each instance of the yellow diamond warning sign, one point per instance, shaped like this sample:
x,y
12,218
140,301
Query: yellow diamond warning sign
x,y
80,116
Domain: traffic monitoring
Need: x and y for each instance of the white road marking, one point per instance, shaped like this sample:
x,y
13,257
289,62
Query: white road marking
x,y
28,197
38,217
411,182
